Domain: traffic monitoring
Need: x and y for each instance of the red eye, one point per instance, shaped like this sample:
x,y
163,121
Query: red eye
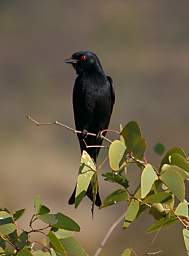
x,y
83,58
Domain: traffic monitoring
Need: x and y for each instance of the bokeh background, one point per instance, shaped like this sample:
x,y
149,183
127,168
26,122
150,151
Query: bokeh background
x,y
144,46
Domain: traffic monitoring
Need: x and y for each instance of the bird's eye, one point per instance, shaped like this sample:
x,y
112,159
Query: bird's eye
x,y
83,58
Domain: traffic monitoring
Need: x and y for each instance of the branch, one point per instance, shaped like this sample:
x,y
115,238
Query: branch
x,y
94,146
152,243
109,130
111,229
153,253
68,128
184,221
137,161
6,239
33,219
43,246
39,230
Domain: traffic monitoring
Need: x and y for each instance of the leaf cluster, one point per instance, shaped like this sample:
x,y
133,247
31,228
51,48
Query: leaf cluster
x,y
57,229
161,192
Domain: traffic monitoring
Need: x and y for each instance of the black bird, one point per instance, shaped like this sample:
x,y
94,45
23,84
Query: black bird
x,y
93,101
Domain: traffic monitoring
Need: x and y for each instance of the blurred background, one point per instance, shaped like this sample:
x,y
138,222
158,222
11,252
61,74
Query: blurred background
x,y
144,46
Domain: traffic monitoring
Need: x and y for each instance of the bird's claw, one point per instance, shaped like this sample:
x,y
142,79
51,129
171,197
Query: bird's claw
x,y
99,135
84,134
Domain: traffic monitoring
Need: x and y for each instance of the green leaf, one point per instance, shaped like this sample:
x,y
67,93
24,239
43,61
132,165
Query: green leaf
x,y
116,153
174,181
167,220
37,203
56,244
7,229
5,218
60,220
66,223
159,149
169,204
127,252
131,213
24,252
177,150
94,185
13,237
180,161
186,239
139,149
157,211
115,197
86,172
115,177
182,172
2,243
2,251
134,142
22,240
182,209
43,210
160,197
148,178
53,253
50,219
62,233
18,214
73,247
131,133
39,207
138,193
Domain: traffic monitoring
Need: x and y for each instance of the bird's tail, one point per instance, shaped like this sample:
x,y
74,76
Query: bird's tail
x,y
89,193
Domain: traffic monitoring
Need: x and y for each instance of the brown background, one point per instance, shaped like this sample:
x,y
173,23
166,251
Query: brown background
x,y
144,45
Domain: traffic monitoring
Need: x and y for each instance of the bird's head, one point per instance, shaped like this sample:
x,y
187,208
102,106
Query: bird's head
x,y
85,61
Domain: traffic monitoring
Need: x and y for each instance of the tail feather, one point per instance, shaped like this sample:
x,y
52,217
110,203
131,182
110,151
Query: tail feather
x,y
89,193
93,152
72,197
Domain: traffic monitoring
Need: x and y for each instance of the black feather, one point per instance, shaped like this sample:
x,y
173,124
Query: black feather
x,y
93,101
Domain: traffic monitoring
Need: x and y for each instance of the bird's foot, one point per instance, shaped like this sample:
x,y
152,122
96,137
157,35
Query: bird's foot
x,y
84,134
99,135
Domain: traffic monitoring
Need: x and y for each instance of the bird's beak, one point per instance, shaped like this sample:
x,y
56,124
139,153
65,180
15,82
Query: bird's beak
x,y
71,61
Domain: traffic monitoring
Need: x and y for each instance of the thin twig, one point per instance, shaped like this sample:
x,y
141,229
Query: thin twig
x,y
111,229
94,146
43,246
109,130
51,123
184,222
143,163
9,242
153,253
151,244
65,126
106,139
33,219
39,230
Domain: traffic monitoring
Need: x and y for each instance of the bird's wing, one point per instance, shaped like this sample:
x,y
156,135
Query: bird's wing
x,y
78,105
112,90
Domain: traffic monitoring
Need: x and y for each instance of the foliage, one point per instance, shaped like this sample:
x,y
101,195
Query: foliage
x,y
161,192
57,228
